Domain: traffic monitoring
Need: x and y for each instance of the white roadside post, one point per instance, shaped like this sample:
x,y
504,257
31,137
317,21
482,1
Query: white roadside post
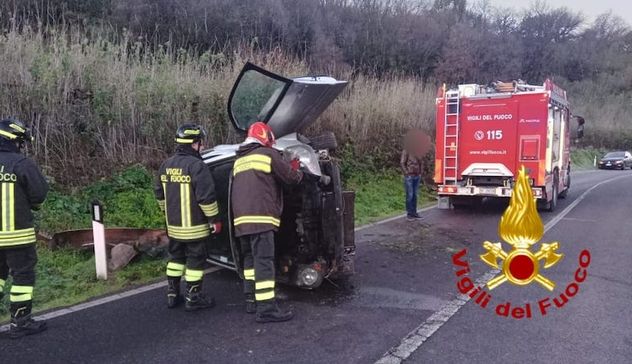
x,y
98,232
595,162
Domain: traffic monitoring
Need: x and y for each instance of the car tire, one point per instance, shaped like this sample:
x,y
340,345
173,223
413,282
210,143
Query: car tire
x,y
326,140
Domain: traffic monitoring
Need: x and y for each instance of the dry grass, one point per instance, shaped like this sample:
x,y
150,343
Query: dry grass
x,y
375,113
105,102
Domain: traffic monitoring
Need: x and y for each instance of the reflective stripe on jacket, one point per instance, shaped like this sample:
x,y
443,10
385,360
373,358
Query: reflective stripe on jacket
x,y
186,192
257,193
22,188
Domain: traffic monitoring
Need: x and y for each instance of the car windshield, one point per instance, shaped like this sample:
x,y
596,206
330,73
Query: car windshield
x,y
286,105
615,155
254,98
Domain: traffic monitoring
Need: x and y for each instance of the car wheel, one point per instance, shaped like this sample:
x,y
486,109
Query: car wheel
x,y
326,140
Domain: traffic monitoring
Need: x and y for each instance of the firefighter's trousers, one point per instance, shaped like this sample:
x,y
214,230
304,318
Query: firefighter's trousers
x,y
258,252
187,259
20,263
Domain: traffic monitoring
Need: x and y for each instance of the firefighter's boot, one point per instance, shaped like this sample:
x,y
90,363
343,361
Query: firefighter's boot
x,y
195,299
22,323
251,305
174,298
269,311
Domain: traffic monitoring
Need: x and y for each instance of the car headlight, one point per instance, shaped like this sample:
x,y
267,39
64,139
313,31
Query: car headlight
x,y
309,276
307,156
619,162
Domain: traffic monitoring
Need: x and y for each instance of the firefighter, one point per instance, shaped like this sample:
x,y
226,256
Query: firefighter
x,y
186,193
257,203
23,189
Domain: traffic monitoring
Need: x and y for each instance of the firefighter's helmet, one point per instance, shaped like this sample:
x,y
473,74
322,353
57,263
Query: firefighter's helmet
x,y
15,130
190,133
262,132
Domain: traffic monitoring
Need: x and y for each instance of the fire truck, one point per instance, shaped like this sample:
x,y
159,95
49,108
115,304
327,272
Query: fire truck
x,y
486,133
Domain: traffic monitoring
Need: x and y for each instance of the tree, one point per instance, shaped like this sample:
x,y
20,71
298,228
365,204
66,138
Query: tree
x,y
544,32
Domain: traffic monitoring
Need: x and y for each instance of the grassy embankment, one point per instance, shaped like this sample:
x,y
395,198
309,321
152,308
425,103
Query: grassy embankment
x,y
585,157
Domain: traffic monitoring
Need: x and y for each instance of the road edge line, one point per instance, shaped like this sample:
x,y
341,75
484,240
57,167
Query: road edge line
x,y
393,218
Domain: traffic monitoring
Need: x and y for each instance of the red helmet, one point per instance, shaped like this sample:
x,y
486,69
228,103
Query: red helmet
x,y
262,132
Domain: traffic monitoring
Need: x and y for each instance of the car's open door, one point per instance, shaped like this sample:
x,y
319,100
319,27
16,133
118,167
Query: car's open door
x,y
286,105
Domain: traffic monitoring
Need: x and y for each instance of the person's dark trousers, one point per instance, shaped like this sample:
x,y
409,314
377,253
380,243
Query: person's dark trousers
x,y
249,273
411,184
21,263
258,252
4,273
186,259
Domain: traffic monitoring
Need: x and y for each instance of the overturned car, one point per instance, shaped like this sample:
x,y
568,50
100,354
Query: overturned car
x,y
316,237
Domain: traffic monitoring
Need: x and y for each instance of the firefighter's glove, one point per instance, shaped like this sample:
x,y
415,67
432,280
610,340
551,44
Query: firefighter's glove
x,y
325,180
295,164
216,227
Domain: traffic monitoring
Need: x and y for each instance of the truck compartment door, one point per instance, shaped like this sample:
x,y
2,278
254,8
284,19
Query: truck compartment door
x,y
529,147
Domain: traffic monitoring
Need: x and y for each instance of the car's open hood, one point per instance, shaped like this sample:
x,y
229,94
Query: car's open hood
x,y
286,105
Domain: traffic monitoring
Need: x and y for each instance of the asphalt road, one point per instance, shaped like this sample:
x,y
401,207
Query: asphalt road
x,y
404,276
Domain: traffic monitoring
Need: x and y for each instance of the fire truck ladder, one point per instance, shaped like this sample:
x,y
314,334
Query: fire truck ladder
x,y
451,137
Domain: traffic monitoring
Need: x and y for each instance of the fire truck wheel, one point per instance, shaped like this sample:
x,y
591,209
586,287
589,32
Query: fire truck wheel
x,y
564,193
551,205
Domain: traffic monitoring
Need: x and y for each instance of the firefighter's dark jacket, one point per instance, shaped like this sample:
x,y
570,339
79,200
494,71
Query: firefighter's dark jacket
x,y
186,192
23,188
257,192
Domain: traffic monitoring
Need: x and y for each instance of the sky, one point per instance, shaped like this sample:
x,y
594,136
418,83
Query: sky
x,y
590,8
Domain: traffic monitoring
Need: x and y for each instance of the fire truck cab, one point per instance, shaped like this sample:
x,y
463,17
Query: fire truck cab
x,y
486,133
